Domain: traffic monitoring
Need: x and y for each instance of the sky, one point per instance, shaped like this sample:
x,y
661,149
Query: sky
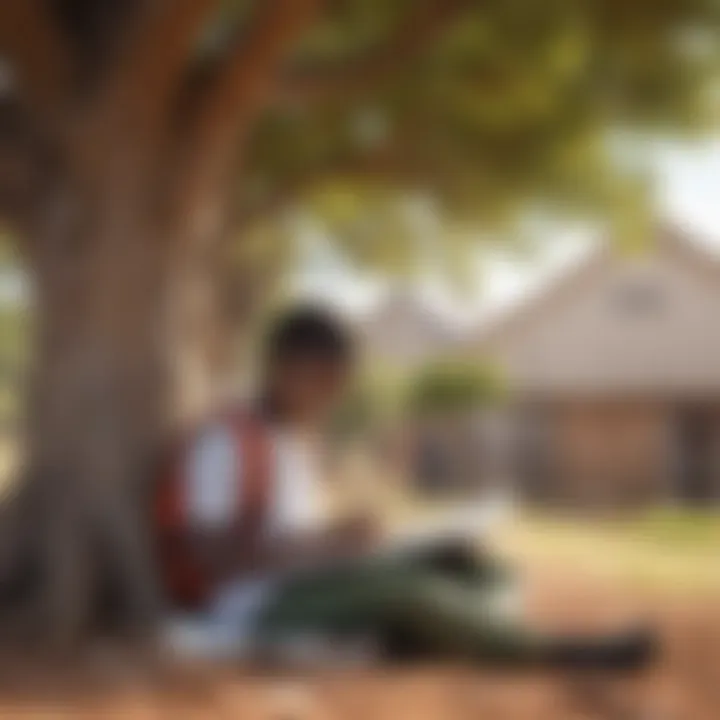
x,y
686,192
689,187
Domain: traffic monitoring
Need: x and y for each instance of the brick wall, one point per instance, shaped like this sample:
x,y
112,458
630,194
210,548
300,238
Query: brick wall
x,y
603,454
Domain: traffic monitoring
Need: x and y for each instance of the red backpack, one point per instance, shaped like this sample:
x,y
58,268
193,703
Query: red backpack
x,y
187,583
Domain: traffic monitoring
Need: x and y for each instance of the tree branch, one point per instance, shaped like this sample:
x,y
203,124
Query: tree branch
x,y
141,88
428,20
245,83
38,55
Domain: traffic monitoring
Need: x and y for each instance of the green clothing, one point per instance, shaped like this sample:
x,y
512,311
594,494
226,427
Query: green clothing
x,y
439,603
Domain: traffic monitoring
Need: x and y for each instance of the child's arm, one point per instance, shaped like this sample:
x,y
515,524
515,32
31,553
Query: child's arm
x,y
340,541
214,490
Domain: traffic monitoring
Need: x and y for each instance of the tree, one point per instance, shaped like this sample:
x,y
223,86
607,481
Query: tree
x,y
450,388
139,139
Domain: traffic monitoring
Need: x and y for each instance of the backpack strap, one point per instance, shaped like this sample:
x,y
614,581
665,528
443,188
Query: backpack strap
x,y
258,475
187,581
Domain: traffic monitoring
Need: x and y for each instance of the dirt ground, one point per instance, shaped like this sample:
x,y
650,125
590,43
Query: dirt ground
x,y
684,686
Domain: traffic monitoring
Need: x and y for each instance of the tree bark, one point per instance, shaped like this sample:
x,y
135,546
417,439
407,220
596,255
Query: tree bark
x,y
100,401
120,246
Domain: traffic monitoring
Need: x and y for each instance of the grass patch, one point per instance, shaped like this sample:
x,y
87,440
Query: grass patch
x,y
667,549
693,529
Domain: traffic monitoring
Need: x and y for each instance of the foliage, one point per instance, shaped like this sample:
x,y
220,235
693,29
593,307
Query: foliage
x,y
479,108
16,329
513,105
453,387
359,411
376,400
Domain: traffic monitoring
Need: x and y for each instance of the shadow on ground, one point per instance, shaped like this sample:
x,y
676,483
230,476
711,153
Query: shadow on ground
x,y
684,686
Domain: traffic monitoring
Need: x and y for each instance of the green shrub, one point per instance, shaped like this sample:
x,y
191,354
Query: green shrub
x,y
447,387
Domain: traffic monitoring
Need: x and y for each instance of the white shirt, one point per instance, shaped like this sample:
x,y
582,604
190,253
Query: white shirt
x,y
214,482
213,474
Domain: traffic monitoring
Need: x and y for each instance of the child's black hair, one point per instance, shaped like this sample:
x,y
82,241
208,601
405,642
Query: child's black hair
x,y
309,331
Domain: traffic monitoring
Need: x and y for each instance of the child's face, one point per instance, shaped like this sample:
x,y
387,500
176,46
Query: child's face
x,y
309,388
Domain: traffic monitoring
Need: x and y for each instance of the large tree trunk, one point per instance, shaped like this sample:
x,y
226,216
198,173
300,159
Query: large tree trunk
x,y
101,398
136,166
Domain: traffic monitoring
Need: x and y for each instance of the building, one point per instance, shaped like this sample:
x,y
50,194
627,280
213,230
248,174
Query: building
x,y
403,332
613,375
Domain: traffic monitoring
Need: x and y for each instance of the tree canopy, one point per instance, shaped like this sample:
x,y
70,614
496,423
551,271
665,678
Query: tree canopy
x,y
449,388
484,109
484,104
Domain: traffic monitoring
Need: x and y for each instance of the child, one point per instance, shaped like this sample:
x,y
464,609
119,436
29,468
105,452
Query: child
x,y
244,543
